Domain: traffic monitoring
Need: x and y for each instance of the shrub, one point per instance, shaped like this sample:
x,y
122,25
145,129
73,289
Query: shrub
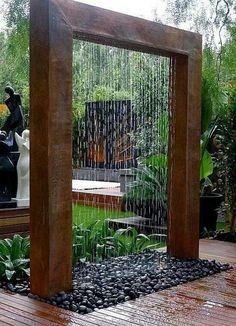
x,y
3,114
14,257
98,241
147,195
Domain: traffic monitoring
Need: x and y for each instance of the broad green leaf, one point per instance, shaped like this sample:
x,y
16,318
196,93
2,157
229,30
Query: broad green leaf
x,y
20,262
206,165
153,246
4,249
9,274
83,260
206,109
2,269
163,127
25,247
143,236
9,265
16,252
27,271
157,161
8,242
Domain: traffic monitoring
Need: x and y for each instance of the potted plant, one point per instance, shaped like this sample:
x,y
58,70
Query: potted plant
x,y
210,201
230,226
228,127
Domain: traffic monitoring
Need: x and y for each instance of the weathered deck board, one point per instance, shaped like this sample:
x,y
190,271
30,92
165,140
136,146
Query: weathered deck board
x,y
210,301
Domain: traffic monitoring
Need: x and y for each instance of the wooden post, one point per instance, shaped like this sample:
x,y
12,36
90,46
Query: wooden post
x,y
51,168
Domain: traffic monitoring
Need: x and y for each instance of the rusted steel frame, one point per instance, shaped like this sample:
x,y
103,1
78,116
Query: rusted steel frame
x,y
106,27
51,168
184,153
53,25
111,28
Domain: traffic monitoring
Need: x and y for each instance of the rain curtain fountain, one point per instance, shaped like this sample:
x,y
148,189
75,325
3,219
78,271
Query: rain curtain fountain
x,y
54,24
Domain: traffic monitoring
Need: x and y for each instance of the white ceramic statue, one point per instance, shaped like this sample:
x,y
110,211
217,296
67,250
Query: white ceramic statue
x,y
23,174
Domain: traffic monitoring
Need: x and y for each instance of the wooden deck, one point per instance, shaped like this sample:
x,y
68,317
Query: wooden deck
x,y
209,301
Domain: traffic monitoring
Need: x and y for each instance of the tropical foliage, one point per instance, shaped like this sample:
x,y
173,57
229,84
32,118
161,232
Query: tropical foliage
x,y
98,241
14,257
14,51
151,180
147,194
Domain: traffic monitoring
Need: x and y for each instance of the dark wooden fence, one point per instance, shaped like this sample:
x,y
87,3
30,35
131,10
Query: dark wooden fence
x,y
14,220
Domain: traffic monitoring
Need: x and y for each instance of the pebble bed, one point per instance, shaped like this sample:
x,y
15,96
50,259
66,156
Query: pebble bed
x,y
101,285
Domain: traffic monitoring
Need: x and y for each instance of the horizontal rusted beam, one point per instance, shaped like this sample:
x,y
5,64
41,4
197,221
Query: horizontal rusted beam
x,y
120,30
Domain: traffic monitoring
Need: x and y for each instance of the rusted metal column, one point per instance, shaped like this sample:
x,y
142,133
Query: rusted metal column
x,y
51,168
183,210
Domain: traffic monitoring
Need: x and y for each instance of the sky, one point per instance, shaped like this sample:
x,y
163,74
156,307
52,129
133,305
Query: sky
x,y
1,15
138,8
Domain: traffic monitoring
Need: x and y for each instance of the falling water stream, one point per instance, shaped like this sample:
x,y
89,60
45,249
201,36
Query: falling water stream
x,y
121,101
121,124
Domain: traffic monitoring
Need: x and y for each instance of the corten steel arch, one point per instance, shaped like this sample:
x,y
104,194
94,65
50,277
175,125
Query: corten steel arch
x,y
54,24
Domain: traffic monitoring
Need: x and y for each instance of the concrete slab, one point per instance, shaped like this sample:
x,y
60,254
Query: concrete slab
x,y
90,185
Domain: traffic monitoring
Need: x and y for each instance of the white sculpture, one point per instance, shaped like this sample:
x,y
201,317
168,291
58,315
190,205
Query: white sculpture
x,y
23,173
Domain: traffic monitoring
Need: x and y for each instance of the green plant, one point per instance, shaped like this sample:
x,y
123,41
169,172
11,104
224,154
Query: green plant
x,y
14,257
90,243
128,241
98,241
231,163
3,115
150,183
206,161
208,128
151,135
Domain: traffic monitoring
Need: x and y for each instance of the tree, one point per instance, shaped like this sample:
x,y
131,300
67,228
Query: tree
x,y
15,59
216,20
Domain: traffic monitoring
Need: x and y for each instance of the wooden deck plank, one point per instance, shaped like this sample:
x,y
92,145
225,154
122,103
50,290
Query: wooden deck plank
x,y
8,321
168,314
218,250
183,308
116,319
167,308
62,317
32,313
131,317
39,311
17,316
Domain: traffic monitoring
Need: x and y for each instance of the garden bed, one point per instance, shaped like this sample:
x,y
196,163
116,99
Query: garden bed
x,y
104,284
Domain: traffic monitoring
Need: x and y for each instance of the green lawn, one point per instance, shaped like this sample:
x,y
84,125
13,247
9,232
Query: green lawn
x,y
220,225
87,215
